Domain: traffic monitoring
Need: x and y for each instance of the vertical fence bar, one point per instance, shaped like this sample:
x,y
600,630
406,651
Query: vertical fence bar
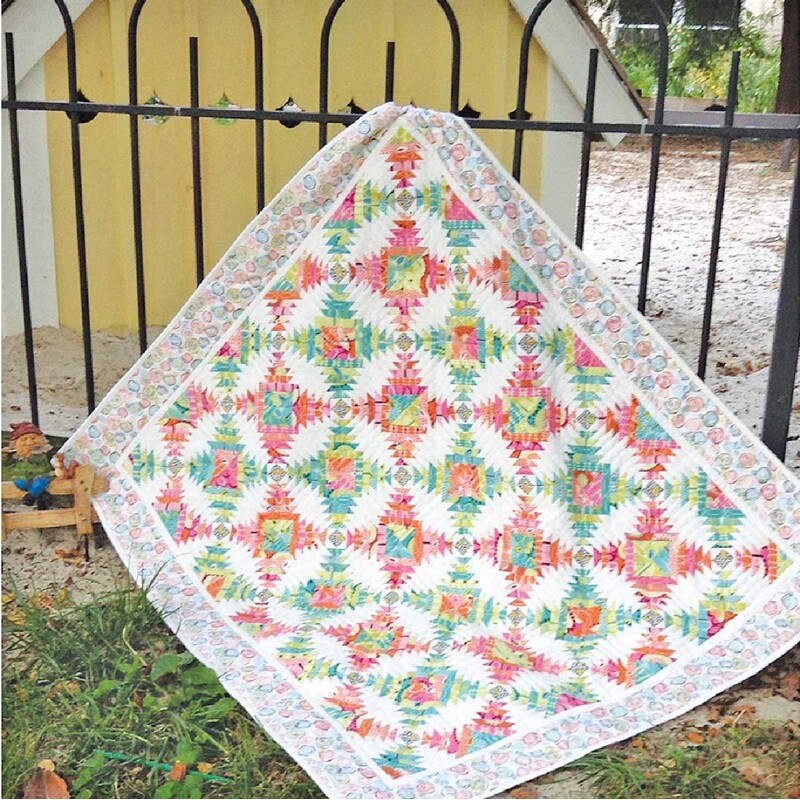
x,y
258,70
324,61
586,147
16,174
136,185
786,342
324,67
455,55
80,224
522,83
388,87
655,153
197,188
724,160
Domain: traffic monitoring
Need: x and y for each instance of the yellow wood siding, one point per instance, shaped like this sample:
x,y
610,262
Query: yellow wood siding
x,y
490,31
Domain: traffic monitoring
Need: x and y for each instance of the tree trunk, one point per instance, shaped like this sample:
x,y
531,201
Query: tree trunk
x,y
788,99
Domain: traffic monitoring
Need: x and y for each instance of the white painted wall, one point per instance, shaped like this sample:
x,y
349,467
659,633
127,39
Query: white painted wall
x,y
35,171
36,27
561,155
567,42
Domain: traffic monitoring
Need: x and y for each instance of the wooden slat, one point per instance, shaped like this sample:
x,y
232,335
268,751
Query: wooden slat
x,y
84,478
51,518
59,486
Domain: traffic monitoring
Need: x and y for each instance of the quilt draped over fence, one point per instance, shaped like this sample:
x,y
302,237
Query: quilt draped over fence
x,y
438,506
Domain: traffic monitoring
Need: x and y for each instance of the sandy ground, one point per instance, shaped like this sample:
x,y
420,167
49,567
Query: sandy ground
x,y
748,278
750,257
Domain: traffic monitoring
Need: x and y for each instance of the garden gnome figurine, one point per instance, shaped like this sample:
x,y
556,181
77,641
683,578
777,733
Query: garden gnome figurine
x,y
29,468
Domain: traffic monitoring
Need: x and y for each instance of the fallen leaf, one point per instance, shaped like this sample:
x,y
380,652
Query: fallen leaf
x,y
694,737
46,784
524,792
17,617
70,687
758,771
204,767
67,554
178,771
9,598
789,686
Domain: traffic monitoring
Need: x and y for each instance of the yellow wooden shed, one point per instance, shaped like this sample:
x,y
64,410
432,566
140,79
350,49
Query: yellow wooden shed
x,y
490,34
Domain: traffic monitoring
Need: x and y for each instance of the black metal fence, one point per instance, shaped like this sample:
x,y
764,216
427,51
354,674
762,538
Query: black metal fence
x,y
783,364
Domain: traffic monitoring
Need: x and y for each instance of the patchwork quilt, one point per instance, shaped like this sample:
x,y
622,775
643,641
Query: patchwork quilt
x,y
439,507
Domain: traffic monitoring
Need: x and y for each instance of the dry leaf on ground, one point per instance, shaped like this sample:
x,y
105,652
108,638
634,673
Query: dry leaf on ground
x,y
525,792
789,686
46,783
758,771
178,771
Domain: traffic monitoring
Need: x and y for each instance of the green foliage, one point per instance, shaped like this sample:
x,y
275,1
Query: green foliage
x,y
107,677
679,773
81,683
700,63
750,760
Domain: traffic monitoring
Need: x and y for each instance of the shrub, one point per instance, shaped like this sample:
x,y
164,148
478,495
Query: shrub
x,y
699,65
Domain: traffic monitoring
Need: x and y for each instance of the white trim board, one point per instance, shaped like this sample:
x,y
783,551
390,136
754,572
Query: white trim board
x,y
561,155
36,26
567,42
40,249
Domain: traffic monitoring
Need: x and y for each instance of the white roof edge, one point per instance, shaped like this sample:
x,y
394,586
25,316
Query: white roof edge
x,y
36,27
567,41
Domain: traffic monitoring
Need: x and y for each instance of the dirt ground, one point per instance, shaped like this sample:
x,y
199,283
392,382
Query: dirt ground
x,y
750,261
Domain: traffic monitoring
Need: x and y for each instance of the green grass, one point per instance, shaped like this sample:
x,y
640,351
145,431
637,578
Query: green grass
x,y
109,675
711,769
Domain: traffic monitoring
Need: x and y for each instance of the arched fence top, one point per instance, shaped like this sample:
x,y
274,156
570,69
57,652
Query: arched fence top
x,y
72,61
324,58
133,61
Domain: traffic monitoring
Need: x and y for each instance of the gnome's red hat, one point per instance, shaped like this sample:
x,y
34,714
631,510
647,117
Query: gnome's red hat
x,y
21,428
